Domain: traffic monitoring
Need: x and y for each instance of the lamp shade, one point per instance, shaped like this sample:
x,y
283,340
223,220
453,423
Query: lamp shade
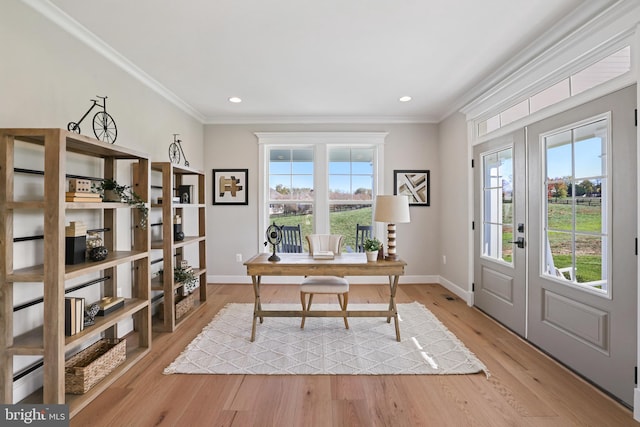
x,y
392,209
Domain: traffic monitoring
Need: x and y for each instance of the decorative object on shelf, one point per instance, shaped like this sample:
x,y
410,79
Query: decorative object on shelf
x,y
85,369
104,127
185,193
175,148
178,235
109,304
75,243
94,241
186,277
274,238
183,306
230,186
392,210
413,183
371,247
98,253
111,191
77,185
90,314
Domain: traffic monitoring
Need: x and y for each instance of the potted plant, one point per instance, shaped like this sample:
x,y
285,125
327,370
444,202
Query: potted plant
x,y
371,247
111,191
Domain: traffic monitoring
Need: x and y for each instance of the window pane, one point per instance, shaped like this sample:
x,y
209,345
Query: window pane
x,y
550,96
558,161
339,161
559,255
362,161
498,205
291,174
293,214
590,150
588,259
559,213
362,187
350,174
339,187
610,67
343,220
588,208
514,113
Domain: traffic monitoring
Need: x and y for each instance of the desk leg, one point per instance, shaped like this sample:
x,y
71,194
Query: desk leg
x,y
393,285
257,305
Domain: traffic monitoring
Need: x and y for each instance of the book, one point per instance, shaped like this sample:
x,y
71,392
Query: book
x,y
323,255
82,194
79,314
69,316
83,199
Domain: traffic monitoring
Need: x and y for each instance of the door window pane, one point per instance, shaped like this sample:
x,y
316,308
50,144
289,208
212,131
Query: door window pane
x,y
576,214
498,200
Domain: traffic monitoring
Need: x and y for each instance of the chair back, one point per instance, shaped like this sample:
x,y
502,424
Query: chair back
x,y
291,239
325,242
363,232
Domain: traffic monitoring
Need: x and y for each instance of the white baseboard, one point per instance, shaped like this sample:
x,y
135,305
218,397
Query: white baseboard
x,y
294,280
636,404
27,385
462,293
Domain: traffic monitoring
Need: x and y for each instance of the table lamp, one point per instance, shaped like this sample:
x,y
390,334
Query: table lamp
x,y
392,210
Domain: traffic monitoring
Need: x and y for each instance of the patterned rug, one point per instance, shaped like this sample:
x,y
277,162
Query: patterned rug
x,y
324,346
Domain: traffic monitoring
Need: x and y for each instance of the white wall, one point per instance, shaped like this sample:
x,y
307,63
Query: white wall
x,y
454,231
47,78
234,229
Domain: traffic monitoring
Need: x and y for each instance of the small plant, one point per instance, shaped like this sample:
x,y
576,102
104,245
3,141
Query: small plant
x,y
371,245
126,195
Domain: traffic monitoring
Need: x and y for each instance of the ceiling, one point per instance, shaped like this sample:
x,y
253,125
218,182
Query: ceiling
x,y
318,61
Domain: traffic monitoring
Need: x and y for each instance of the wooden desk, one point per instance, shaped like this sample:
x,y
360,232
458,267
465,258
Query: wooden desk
x,y
349,264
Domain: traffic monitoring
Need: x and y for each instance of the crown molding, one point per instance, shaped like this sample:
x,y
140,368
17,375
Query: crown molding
x,y
80,32
581,23
248,119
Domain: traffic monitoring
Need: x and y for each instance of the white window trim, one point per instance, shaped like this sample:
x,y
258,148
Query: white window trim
x,y
321,142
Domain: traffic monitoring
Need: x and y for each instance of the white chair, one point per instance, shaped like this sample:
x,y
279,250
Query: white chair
x,y
324,284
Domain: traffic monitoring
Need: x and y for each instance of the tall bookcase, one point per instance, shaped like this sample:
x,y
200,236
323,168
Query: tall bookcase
x,y
193,215
49,340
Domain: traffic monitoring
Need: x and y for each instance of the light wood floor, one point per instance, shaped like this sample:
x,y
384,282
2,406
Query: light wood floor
x,y
525,388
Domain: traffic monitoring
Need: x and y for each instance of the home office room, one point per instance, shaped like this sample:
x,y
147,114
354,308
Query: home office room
x,y
328,214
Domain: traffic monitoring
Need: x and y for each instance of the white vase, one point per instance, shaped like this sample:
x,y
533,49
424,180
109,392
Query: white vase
x,y
372,256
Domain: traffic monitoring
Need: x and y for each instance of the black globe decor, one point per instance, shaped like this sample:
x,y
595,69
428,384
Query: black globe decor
x,y
274,237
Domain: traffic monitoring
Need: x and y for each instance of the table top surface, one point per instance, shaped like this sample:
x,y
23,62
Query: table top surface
x,y
347,264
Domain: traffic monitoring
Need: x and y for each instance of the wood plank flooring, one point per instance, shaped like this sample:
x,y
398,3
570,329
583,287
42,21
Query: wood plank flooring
x,y
526,388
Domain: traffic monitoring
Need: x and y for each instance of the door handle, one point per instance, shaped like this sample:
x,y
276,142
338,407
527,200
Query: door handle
x,y
519,242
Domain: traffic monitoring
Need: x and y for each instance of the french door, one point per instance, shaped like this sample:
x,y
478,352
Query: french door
x,y
569,199
500,249
582,277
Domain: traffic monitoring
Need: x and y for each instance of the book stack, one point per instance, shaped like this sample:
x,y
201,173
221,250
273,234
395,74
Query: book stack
x,y
323,255
80,196
80,191
73,315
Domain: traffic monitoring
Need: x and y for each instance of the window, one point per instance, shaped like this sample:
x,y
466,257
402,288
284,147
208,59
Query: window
x,y
351,190
576,205
497,205
324,181
290,196
602,71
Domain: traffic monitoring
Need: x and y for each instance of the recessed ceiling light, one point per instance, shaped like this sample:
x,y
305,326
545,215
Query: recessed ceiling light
x,y
235,99
405,99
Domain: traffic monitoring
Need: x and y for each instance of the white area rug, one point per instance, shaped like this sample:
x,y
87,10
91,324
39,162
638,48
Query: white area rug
x,y
324,346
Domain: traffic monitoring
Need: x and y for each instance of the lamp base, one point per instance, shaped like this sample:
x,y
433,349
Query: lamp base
x,y
392,257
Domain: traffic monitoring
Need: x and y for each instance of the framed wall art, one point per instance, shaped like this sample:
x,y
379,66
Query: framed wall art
x,y
230,186
413,183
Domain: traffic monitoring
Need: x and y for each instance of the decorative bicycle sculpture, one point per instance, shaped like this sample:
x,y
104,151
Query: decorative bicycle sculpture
x,y
104,127
175,148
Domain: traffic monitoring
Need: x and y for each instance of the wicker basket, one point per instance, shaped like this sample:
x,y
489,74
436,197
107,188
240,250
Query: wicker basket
x,y
182,306
85,369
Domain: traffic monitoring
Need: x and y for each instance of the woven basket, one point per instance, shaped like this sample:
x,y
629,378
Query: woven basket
x,y
184,305
86,368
